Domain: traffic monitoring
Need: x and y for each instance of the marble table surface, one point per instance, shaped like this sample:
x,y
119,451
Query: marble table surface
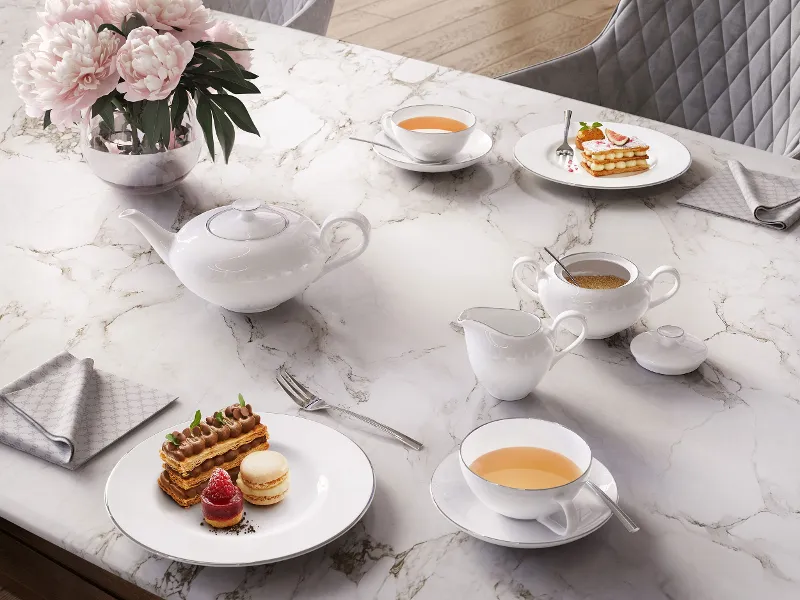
x,y
707,463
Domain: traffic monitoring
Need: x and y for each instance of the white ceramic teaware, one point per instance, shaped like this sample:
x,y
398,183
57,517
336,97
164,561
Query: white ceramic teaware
x,y
669,350
249,257
607,311
538,504
428,144
511,350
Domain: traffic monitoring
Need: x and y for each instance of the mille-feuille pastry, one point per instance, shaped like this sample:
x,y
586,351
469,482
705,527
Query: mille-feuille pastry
x,y
588,133
264,477
222,501
615,154
222,441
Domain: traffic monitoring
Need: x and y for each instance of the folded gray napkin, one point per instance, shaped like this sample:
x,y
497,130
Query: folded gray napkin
x,y
66,411
758,198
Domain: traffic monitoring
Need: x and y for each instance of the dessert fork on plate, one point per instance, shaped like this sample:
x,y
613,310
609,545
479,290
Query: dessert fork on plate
x,y
307,400
565,149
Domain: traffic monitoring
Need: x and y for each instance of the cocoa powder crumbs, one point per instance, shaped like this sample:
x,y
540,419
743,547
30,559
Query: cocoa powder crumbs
x,y
243,527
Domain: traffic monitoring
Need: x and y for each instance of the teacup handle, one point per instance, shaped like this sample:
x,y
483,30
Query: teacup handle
x,y
570,515
516,274
386,126
348,216
672,291
553,331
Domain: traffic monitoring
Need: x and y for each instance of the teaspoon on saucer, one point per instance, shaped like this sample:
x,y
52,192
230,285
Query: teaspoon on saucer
x,y
615,508
399,151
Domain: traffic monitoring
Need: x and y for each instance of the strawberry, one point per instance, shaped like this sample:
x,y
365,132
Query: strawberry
x,y
220,488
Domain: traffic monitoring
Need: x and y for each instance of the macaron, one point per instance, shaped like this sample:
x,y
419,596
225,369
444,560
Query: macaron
x,y
264,477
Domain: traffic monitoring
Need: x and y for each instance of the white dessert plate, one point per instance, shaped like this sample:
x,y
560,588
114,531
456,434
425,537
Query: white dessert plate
x,y
456,502
536,152
478,145
332,485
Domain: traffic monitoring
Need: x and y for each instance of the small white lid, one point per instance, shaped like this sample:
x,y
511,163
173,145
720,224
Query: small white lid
x,y
669,350
247,220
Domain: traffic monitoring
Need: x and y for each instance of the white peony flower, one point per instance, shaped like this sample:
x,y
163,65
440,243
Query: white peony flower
x,y
226,32
69,11
151,64
65,68
190,16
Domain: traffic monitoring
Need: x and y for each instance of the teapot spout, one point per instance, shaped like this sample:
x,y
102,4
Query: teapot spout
x,y
160,239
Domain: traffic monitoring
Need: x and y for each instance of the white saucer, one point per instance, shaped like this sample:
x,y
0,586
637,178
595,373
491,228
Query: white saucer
x,y
478,145
332,485
536,152
456,502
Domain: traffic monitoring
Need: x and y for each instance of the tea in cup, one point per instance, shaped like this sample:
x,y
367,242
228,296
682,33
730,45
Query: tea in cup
x,y
429,132
527,468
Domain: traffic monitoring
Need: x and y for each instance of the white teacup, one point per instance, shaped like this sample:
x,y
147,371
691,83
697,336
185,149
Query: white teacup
x,y
538,504
429,144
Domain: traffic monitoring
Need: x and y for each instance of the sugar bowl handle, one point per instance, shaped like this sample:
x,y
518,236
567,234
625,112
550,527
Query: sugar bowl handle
x,y
672,291
346,216
552,331
517,270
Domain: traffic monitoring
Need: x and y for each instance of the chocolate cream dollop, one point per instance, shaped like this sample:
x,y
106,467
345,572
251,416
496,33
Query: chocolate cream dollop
x,y
238,420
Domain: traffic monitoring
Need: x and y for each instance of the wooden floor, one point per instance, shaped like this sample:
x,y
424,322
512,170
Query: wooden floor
x,y
490,37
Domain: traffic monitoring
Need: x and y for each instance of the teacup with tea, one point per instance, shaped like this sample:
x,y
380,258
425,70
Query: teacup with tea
x,y
527,468
429,132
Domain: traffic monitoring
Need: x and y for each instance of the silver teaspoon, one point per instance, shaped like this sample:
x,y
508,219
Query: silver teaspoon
x,y
629,524
403,152
568,274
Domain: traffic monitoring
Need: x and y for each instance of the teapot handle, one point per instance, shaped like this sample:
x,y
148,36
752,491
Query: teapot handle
x,y
553,330
348,216
673,290
516,274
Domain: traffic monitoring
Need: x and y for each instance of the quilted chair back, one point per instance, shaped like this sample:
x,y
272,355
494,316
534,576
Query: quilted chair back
x,y
306,15
728,68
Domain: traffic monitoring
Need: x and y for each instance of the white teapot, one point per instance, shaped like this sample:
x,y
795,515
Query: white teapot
x,y
249,257
607,311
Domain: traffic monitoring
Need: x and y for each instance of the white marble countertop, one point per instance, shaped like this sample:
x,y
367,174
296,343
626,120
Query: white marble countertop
x,y
707,463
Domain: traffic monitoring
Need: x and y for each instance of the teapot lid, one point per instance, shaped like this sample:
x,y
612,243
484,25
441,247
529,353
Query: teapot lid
x,y
247,220
669,350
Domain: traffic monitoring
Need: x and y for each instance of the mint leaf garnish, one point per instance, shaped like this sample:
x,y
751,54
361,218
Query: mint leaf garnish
x,y
241,400
219,417
196,420
583,123
596,124
172,439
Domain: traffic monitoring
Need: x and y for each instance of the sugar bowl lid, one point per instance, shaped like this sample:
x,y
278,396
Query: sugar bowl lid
x,y
247,220
669,350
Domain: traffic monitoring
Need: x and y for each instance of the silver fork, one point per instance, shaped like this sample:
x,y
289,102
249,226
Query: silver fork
x,y
307,400
565,149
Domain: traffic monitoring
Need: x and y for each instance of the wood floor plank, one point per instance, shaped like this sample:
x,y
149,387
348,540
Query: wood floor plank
x,y
470,29
343,6
559,46
514,40
398,8
589,9
353,21
389,34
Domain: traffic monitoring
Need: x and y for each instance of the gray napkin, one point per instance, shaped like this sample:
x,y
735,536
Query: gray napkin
x,y
66,411
758,198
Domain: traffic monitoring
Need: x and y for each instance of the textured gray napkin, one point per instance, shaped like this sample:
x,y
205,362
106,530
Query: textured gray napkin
x,y
66,411
758,198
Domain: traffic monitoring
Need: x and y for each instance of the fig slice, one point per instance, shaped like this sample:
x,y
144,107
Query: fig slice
x,y
616,138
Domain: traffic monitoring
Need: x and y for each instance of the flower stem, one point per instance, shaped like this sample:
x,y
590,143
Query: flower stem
x,y
129,118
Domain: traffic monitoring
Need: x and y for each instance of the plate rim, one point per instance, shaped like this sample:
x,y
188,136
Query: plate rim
x,y
443,168
594,187
509,544
256,562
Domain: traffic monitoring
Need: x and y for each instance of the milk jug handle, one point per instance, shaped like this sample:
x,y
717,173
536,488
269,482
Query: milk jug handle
x,y
672,291
552,332
517,270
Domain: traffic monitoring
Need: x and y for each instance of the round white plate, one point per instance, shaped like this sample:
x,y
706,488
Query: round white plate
x,y
536,152
456,502
478,145
332,485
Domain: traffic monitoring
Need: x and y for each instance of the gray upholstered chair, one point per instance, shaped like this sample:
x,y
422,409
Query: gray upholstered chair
x,y
728,68
307,15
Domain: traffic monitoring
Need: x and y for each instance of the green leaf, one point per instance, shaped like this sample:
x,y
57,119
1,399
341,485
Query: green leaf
x,y
233,82
211,57
172,439
149,122
224,56
219,417
204,118
104,107
247,74
46,121
164,127
226,134
196,420
236,110
131,22
111,27
596,124
241,400
224,46
180,101
583,123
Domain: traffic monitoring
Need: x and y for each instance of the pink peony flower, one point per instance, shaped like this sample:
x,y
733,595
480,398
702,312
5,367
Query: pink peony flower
x,y
190,16
65,68
226,32
151,64
69,11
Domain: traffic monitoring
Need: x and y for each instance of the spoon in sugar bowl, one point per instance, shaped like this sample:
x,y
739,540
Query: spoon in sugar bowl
x,y
566,272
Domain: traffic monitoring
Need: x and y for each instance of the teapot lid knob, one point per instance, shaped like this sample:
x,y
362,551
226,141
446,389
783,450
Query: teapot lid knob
x,y
247,220
247,205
